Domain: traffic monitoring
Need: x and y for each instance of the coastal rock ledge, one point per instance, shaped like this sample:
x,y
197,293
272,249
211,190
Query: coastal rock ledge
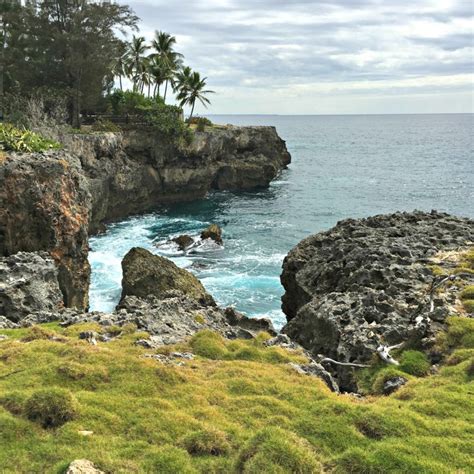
x,y
369,282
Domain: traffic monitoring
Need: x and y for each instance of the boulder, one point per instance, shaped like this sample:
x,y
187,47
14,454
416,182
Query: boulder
x,y
393,384
28,284
183,241
145,274
366,282
82,466
213,232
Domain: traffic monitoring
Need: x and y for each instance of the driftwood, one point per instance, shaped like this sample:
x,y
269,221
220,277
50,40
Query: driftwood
x,y
347,364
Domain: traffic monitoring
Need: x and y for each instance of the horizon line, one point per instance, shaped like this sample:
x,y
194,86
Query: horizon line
x,y
338,115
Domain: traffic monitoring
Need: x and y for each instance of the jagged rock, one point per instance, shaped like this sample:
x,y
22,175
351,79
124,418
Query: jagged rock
x,y
393,384
183,241
28,284
7,324
44,206
145,274
367,281
136,170
213,232
83,466
234,318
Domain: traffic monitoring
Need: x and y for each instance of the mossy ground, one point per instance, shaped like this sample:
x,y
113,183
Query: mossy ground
x,y
238,407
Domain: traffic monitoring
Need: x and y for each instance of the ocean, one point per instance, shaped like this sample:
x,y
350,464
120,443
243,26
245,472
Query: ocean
x,y
342,166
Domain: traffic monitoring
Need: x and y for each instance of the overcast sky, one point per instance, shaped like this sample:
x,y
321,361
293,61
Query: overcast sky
x,y
324,57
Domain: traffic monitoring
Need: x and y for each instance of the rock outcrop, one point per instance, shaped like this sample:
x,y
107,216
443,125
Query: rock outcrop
x,y
28,284
367,282
51,201
44,206
145,274
136,171
213,232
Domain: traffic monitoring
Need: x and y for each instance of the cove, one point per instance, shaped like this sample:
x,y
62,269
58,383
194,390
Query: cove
x,y
343,166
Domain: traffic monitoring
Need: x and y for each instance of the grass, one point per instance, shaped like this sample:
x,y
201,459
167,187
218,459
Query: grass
x,y
237,407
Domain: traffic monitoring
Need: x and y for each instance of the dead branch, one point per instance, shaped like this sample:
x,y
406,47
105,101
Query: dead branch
x,y
347,364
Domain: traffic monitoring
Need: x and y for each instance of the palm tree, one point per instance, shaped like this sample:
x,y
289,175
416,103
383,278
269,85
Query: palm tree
x,y
119,68
136,61
190,88
163,46
158,73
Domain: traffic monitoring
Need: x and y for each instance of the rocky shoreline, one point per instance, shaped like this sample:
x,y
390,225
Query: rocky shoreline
x,y
52,201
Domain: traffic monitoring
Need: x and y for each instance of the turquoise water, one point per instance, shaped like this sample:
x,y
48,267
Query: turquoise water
x,y
343,166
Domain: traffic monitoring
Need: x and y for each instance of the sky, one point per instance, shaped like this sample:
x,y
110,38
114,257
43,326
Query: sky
x,y
324,57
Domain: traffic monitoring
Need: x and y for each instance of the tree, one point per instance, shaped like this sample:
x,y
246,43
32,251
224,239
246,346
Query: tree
x,y
120,65
72,47
163,45
191,87
158,74
136,60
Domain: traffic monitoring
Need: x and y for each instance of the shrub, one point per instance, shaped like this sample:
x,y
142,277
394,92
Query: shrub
x,y
170,460
414,363
468,305
382,376
196,120
24,141
129,102
208,344
209,441
273,450
468,293
103,125
51,407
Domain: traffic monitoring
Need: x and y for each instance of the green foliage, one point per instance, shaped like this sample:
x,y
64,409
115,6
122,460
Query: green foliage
x,y
51,407
460,334
208,344
139,409
273,450
468,305
130,102
467,293
382,376
103,125
414,363
24,141
200,122
209,441
170,460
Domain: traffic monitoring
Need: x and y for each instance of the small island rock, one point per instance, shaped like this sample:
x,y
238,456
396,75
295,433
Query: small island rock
x,y
183,241
213,232
145,274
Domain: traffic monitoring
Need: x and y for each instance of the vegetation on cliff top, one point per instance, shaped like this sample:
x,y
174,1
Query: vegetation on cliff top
x,y
16,139
237,407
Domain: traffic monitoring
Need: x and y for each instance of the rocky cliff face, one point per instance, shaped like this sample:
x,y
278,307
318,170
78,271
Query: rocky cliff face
x,y
367,282
136,171
51,201
44,206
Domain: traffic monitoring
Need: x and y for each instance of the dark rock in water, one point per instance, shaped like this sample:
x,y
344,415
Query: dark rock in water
x,y
28,284
366,282
183,241
213,232
393,384
234,318
145,274
45,205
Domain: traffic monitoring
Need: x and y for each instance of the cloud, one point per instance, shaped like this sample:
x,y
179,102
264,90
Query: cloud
x,y
264,48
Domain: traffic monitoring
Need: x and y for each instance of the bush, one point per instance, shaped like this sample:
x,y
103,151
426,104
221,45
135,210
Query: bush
x,y
468,305
206,442
273,450
103,125
128,102
170,460
382,376
414,363
468,293
51,407
24,141
200,122
208,344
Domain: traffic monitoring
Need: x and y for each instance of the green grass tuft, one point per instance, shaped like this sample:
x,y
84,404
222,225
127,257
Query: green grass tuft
x,y
414,363
51,407
209,441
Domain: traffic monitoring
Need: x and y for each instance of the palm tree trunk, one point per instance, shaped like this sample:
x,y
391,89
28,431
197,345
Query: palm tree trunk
x,y
149,89
166,90
120,82
191,114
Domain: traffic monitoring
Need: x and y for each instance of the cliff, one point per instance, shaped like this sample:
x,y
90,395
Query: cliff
x,y
136,171
51,201
376,281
